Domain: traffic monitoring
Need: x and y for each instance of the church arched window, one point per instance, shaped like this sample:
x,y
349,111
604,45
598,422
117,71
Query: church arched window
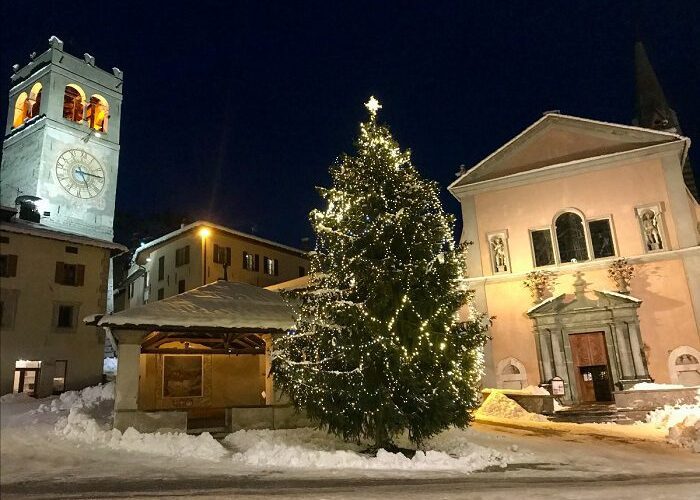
x,y
97,113
34,100
571,237
73,103
20,110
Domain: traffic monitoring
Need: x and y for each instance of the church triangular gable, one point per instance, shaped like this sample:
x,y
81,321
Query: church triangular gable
x,y
556,139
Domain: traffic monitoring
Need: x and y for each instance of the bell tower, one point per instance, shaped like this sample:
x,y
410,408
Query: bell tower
x,y
61,146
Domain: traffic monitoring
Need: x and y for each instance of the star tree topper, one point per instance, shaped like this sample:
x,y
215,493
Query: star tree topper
x,y
373,106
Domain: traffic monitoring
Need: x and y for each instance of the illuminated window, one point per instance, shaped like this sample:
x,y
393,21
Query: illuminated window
x,y
251,262
59,376
97,112
34,100
73,103
222,255
271,266
20,110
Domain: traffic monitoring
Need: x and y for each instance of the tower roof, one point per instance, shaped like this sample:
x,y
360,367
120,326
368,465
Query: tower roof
x,y
653,110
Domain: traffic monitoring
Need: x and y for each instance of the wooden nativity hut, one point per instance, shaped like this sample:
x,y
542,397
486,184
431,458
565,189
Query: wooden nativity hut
x,y
199,361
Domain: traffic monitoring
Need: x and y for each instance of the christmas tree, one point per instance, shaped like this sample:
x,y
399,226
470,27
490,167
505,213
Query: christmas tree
x,y
378,347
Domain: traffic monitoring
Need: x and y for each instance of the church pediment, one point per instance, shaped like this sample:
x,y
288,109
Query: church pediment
x,y
573,303
557,139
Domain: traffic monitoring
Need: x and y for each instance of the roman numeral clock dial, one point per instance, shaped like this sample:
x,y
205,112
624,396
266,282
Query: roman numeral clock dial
x,y
80,174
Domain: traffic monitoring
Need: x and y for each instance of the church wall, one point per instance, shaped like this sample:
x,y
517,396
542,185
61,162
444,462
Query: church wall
x,y
33,335
665,316
613,191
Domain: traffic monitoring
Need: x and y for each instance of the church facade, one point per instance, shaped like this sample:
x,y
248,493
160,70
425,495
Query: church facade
x,y
550,215
58,179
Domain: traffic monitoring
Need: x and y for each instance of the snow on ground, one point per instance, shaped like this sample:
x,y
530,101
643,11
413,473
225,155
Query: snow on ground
x,y
82,420
498,405
310,448
682,423
650,386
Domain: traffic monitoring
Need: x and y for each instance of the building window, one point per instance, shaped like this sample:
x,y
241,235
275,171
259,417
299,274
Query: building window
x,y
8,266
27,376
270,266
131,290
73,103
4,239
161,293
302,271
59,376
251,262
8,306
20,110
571,237
222,255
542,250
181,286
601,238
182,256
161,268
70,274
65,316
71,249
97,112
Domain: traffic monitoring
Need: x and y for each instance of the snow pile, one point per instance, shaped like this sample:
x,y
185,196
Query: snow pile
x,y
109,367
649,386
309,448
90,397
20,397
682,423
80,426
499,405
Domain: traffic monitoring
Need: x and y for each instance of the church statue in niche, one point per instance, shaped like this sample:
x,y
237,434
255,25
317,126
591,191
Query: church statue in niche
x,y
499,253
652,234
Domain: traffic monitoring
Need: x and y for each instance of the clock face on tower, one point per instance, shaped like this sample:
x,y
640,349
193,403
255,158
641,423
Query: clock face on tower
x,y
80,174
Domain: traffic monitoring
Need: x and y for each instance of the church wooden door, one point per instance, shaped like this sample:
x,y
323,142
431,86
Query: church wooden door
x,y
591,366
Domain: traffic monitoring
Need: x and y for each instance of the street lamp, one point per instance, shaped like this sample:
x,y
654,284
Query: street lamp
x,y
203,233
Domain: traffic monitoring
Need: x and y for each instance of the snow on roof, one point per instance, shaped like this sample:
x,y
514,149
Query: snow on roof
x,y
210,225
34,229
620,295
222,305
293,284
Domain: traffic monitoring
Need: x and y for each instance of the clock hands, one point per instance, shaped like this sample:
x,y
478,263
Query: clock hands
x,y
83,173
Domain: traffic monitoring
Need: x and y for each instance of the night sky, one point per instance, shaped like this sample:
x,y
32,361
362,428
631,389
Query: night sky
x,y
233,111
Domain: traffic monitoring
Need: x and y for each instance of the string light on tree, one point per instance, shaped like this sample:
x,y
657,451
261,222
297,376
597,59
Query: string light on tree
x,y
378,348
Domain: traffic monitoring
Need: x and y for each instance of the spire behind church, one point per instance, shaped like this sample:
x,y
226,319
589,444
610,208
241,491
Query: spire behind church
x,y
653,110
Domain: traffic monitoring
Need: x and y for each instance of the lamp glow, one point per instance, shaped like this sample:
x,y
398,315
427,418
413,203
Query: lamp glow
x,y
204,232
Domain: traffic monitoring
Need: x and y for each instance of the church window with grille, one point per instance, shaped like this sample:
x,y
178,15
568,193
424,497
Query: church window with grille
x,y
542,249
571,237
601,238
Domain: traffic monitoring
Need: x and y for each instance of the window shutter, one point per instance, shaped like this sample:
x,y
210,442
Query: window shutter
x,y
228,256
11,266
187,255
257,263
59,273
277,267
216,254
79,275
266,265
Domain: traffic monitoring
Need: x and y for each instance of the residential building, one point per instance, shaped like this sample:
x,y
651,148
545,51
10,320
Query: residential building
x,y
50,280
203,252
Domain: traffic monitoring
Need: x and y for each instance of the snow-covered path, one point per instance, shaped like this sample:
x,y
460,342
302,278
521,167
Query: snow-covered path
x,y
92,462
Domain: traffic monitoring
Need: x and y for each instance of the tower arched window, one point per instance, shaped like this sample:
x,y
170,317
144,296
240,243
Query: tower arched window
x,y
34,101
571,237
97,113
73,103
20,110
